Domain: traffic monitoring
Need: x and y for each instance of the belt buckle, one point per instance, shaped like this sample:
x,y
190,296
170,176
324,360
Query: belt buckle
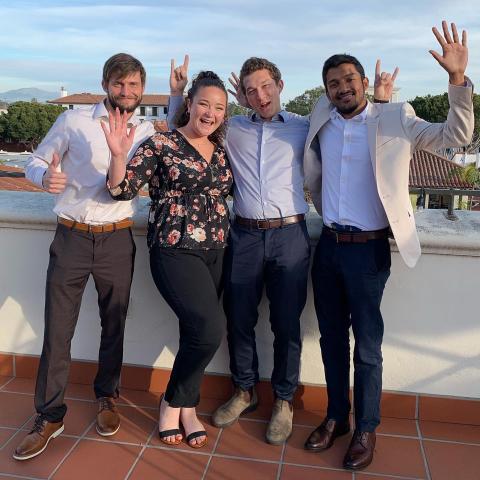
x,y
258,224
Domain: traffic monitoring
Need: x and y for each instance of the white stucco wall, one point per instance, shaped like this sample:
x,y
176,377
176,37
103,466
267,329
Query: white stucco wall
x,y
432,325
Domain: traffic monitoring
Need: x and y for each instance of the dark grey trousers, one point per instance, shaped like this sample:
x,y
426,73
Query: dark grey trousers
x,y
74,256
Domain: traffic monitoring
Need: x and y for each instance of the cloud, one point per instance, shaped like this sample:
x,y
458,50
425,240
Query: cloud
x,y
58,42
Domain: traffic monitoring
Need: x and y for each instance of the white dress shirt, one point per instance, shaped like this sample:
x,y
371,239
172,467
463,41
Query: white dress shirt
x,y
78,138
349,189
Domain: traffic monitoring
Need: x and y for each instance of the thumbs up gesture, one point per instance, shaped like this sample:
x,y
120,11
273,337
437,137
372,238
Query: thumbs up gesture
x,y
53,180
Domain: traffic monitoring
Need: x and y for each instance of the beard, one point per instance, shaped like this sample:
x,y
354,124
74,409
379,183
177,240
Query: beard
x,y
115,103
347,110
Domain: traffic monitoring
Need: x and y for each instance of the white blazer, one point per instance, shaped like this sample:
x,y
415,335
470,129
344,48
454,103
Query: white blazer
x,y
394,133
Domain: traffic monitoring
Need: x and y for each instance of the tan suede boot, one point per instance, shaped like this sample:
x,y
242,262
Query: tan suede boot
x,y
241,402
280,427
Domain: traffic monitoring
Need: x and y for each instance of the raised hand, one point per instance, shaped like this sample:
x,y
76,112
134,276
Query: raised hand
x,y
384,82
454,57
238,93
119,140
54,181
178,76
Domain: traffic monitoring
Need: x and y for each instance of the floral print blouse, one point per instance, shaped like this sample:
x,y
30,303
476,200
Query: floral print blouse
x,y
188,207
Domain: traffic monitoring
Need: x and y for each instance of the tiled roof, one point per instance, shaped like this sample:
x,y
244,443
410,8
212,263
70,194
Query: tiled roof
x,y
426,170
92,98
12,178
432,171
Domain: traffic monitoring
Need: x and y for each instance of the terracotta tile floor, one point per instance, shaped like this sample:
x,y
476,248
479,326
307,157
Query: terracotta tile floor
x,y
406,449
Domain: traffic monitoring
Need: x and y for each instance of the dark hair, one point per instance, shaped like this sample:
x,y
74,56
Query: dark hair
x,y
121,65
253,64
336,60
205,78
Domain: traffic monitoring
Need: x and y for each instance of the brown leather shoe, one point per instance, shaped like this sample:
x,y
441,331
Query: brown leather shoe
x,y
37,440
325,434
108,418
241,402
360,451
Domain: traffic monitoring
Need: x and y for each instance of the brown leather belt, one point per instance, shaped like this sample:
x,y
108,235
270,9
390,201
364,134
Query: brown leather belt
x,y
355,237
267,223
86,227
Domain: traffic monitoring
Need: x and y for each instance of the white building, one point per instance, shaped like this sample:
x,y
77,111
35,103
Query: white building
x,y
152,107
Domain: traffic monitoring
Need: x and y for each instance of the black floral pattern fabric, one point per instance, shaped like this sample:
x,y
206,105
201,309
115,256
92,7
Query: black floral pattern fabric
x,y
188,194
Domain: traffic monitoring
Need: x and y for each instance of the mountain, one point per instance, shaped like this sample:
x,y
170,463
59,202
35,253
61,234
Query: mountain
x,y
26,95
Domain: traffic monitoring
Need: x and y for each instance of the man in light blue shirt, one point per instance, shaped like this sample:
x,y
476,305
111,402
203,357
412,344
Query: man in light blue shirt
x,y
269,244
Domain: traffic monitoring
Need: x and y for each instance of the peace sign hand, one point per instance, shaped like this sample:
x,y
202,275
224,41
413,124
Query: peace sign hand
x,y
238,93
119,140
178,77
454,56
384,82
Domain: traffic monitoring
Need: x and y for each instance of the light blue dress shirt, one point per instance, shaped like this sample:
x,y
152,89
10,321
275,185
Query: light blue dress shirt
x,y
267,163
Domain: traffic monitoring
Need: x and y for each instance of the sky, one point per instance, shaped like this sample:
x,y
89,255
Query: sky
x,y
48,44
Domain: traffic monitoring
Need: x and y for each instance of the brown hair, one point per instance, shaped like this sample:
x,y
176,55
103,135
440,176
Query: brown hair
x,y
205,78
255,63
121,65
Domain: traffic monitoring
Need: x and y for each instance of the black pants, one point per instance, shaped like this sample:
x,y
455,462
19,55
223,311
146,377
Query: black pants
x,y
348,282
74,256
190,282
278,258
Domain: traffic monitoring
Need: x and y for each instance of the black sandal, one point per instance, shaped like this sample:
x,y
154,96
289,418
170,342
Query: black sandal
x,y
168,433
194,435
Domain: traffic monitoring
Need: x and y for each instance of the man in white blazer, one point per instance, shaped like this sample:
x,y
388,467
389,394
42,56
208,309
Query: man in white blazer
x,y
356,166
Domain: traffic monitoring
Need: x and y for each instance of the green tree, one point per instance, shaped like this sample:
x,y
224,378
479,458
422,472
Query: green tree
x,y
236,109
304,103
434,108
471,174
27,123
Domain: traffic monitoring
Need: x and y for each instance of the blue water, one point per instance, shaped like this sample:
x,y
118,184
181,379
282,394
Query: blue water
x,y
14,160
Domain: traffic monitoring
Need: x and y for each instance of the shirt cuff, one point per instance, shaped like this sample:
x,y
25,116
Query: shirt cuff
x,y
36,176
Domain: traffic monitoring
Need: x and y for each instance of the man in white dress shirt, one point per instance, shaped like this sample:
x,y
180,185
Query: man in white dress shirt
x,y
93,237
356,163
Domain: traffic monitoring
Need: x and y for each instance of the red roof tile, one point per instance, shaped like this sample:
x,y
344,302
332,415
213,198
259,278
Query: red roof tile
x,y
92,98
12,178
426,170
432,171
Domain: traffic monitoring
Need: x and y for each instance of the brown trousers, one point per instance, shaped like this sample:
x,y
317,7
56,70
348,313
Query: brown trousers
x,y
74,256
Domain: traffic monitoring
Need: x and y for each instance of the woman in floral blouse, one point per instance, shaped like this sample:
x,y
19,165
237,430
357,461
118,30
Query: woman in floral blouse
x,y
188,177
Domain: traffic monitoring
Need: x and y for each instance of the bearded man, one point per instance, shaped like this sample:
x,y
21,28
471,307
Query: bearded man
x,y
93,237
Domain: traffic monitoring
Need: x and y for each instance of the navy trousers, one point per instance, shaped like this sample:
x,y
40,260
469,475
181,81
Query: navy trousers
x,y
348,282
279,260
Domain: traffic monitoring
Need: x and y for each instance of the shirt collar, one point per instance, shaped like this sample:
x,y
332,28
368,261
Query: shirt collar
x,y
360,118
281,116
100,112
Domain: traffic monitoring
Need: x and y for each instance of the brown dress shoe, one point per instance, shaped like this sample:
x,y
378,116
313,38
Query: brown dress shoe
x,y
108,418
241,402
360,451
324,435
37,440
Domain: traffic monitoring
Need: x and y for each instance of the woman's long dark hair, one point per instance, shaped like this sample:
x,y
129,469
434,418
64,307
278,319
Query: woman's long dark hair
x,y
205,78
